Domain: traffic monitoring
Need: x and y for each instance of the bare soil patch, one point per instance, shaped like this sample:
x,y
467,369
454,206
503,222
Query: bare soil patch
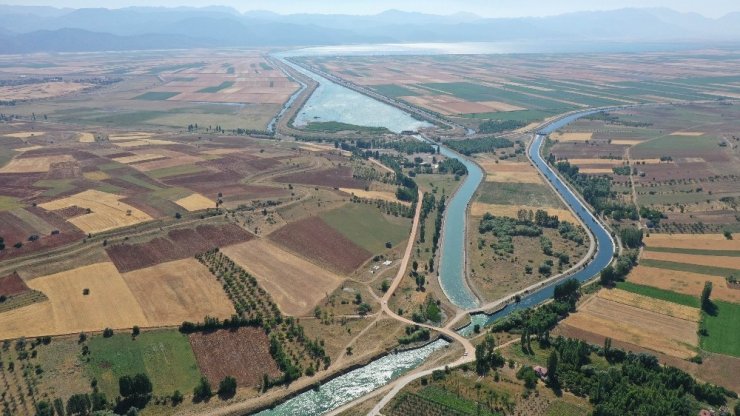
x,y
179,244
295,284
382,195
314,239
571,136
34,164
242,353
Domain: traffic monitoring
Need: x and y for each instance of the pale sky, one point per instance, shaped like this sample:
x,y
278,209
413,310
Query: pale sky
x,y
487,8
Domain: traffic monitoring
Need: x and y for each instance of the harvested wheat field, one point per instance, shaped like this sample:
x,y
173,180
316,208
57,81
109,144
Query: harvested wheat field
x,y
692,241
108,212
596,171
382,195
652,330
626,142
683,282
24,135
650,304
195,202
687,133
571,137
177,291
510,172
96,175
34,164
295,285
478,209
138,158
129,136
27,149
109,303
712,261
142,142
85,138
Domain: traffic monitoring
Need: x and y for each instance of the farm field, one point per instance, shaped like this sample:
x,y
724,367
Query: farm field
x,y
164,355
295,284
680,161
475,88
649,329
242,354
239,89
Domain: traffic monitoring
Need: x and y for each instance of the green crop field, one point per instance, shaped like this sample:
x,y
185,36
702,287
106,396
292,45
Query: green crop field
x,y
217,88
517,194
522,115
661,294
685,267
723,328
721,253
8,203
474,92
156,96
165,356
55,187
174,171
367,227
678,143
452,401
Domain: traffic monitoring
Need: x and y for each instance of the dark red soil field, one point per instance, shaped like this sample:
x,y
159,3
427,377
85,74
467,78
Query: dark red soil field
x,y
340,177
19,185
315,240
243,354
14,230
71,212
12,284
179,244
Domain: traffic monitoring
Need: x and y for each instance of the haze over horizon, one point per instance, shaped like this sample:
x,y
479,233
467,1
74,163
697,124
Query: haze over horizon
x,y
483,8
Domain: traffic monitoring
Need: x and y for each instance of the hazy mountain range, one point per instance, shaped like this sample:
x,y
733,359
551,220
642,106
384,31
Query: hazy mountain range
x,y
25,29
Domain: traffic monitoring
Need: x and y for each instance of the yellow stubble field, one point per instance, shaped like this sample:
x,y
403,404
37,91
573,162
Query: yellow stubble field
x,y
108,212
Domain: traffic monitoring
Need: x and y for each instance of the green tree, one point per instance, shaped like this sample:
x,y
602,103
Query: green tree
x,y
706,303
385,285
99,401
135,331
202,391
552,369
78,404
227,387
607,276
59,406
43,408
177,398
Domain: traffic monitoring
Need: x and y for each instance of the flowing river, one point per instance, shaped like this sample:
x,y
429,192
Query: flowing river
x,y
332,102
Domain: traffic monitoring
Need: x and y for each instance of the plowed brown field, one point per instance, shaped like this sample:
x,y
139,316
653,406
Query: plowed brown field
x,y
243,354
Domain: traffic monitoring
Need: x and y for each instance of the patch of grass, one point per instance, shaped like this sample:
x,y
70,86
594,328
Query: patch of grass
x,y
110,166
165,356
723,328
174,171
55,187
474,92
721,253
685,267
366,226
124,118
266,67
662,294
394,91
563,408
156,96
698,144
517,194
140,182
217,88
521,115
8,203
335,126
